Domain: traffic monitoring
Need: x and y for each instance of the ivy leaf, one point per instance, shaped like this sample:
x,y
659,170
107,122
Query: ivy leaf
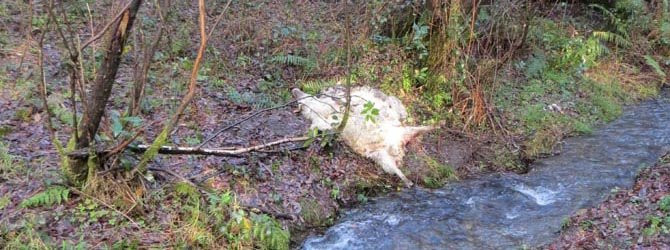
x,y
134,120
117,128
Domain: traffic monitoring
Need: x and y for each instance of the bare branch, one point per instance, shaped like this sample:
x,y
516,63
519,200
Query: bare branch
x,y
186,100
140,75
218,19
176,150
43,87
218,132
109,24
347,107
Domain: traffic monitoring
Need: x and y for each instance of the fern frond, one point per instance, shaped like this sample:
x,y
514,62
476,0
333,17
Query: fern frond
x,y
616,39
315,86
293,60
187,190
605,11
619,26
655,66
269,234
51,196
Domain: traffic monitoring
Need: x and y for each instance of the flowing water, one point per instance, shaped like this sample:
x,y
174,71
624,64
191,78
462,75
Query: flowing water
x,y
508,211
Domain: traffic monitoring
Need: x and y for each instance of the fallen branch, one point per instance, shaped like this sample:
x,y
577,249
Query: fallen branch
x,y
176,150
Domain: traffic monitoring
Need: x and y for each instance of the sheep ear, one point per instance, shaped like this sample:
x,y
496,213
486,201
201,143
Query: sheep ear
x,y
297,93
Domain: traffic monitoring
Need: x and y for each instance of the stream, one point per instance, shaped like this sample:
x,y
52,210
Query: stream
x,y
509,211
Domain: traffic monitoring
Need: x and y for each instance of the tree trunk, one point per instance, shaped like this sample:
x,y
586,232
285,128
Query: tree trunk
x,y
101,90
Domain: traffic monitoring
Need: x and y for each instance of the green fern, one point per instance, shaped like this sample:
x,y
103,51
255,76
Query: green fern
x,y
185,189
315,86
268,233
664,22
614,38
51,196
654,65
620,28
293,60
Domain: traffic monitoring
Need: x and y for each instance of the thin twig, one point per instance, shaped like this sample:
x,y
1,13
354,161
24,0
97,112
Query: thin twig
x,y
188,97
124,144
347,107
218,132
43,84
218,19
109,24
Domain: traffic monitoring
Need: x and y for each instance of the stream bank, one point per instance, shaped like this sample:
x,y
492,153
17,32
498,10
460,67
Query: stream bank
x,y
509,210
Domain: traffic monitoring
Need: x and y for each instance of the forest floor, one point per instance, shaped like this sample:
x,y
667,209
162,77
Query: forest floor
x,y
636,218
303,189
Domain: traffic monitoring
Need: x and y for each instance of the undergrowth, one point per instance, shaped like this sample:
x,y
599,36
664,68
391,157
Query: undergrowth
x,y
50,196
207,220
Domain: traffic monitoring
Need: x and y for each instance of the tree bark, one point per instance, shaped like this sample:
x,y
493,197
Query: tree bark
x,y
102,87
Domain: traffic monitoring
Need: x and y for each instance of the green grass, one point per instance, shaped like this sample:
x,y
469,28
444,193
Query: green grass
x,y
438,174
10,166
314,214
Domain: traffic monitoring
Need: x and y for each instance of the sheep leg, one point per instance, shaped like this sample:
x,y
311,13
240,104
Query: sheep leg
x,y
388,163
411,132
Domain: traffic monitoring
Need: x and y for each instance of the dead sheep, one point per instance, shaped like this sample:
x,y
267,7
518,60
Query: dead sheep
x,y
380,137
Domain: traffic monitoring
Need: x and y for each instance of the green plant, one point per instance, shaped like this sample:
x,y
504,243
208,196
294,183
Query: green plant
x,y
7,160
657,224
439,173
419,34
566,223
24,236
4,201
370,112
48,197
586,225
314,87
581,127
81,245
246,231
294,60
664,204
269,234
313,213
607,108
655,66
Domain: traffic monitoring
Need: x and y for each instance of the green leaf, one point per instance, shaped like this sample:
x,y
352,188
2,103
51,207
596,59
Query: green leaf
x,y
654,65
133,120
308,142
117,128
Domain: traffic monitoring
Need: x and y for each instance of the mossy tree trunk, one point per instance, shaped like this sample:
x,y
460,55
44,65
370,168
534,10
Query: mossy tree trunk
x,y
76,170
